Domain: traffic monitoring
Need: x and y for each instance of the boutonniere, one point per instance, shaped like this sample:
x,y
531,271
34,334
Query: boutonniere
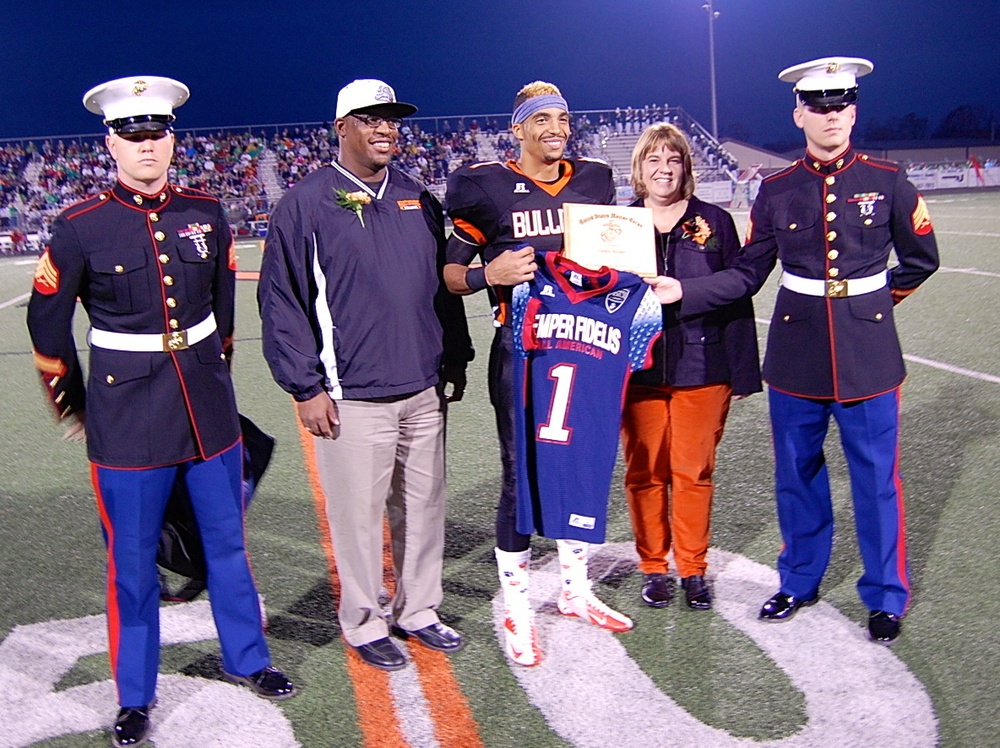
x,y
354,201
697,230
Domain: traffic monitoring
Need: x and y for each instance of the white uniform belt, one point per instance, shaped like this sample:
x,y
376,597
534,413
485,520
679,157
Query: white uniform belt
x,y
177,340
833,287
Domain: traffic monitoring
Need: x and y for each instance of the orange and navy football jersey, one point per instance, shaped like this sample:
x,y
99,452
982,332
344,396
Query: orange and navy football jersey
x,y
496,207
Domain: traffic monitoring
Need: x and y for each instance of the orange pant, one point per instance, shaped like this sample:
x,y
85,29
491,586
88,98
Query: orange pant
x,y
669,436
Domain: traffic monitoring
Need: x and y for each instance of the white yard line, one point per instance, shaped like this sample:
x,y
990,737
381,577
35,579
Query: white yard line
x,y
15,300
950,368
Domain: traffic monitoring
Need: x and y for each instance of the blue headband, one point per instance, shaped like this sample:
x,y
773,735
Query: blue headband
x,y
536,103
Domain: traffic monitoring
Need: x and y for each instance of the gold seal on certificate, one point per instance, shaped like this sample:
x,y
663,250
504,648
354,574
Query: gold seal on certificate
x,y
599,236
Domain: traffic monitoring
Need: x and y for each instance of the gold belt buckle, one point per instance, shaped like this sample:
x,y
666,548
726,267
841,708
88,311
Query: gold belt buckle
x,y
175,341
836,289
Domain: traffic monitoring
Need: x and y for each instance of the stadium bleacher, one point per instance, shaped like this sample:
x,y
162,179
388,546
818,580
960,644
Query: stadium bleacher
x,y
250,170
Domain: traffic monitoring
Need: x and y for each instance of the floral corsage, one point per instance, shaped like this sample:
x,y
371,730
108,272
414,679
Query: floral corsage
x,y
697,230
354,201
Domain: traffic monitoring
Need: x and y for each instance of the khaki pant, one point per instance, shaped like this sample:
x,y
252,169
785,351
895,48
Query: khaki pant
x,y
389,457
670,435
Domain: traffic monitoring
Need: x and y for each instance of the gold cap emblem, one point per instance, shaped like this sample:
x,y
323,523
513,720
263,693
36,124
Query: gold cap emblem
x,y
139,87
832,67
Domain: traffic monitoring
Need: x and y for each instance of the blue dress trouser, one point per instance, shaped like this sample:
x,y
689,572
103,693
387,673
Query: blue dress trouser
x,y
131,505
869,433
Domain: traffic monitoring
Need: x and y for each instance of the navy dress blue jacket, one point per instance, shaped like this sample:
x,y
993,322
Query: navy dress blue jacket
x,y
831,220
140,264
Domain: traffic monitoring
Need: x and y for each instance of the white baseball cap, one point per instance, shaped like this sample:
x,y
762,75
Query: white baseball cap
x,y
368,93
828,81
143,102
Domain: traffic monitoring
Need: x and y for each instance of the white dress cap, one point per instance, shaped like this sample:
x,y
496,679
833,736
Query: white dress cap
x,y
142,96
827,73
368,93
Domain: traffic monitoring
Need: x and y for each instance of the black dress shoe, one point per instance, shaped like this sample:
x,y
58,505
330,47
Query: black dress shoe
x,y
657,590
132,726
436,636
883,628
698,595
269,683
382,653
782,607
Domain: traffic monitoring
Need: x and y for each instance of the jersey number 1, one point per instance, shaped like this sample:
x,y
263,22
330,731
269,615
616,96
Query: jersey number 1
x,y
554,430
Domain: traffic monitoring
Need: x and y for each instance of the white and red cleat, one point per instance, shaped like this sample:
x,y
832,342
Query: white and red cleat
x,y
591,609
520,641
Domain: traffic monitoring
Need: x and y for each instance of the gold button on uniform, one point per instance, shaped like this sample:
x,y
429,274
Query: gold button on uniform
x,y
831,216
831,235
154,217
786,318
868,222
110,379
222,356
119,269
878,316
831,198
164,259
159,236
171,302
834,272
792,226
831,179
103,196
174,324
833,254
168,280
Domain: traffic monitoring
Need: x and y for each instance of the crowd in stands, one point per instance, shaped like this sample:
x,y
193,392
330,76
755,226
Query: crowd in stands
x,y
229,164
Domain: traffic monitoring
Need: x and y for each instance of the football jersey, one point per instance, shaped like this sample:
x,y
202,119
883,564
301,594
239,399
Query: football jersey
x,y
496,207
578,335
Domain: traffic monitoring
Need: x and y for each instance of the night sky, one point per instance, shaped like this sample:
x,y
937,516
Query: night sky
x,y
253,63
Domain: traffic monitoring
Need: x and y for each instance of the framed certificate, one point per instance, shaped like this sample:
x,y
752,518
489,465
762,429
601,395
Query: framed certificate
x,y
622,238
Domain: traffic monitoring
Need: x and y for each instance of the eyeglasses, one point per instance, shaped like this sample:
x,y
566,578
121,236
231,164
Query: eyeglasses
x,y
141,135
374,121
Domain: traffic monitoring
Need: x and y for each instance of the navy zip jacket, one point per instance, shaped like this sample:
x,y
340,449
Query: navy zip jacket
x,y
350,293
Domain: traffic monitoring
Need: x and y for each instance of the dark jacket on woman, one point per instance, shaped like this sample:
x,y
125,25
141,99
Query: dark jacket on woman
x,y
713,348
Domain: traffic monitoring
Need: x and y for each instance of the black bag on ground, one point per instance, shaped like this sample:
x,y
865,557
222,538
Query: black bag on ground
x,y
180,549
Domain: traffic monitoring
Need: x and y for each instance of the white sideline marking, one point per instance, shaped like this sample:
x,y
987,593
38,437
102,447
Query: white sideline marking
x,y
969,271
969,233
413,713
15,300
594,695
36,656
950,368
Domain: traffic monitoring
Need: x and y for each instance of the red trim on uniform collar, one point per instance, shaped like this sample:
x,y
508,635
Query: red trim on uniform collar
x,y
559,264
832,166
127,195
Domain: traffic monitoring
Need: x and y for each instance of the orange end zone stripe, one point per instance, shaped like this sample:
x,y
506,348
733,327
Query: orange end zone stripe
x,y
454,725
371,686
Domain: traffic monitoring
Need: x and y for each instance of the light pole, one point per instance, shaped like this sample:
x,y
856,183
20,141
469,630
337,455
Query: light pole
x,y
712,15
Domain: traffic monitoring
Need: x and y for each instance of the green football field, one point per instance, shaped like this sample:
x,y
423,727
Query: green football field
x,y
681,678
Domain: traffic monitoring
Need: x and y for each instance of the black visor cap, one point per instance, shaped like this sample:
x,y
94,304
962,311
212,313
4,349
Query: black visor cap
x,y
141,123
831,97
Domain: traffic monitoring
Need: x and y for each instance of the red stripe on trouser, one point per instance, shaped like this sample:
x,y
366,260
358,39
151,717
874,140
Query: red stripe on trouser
x,y
113,621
